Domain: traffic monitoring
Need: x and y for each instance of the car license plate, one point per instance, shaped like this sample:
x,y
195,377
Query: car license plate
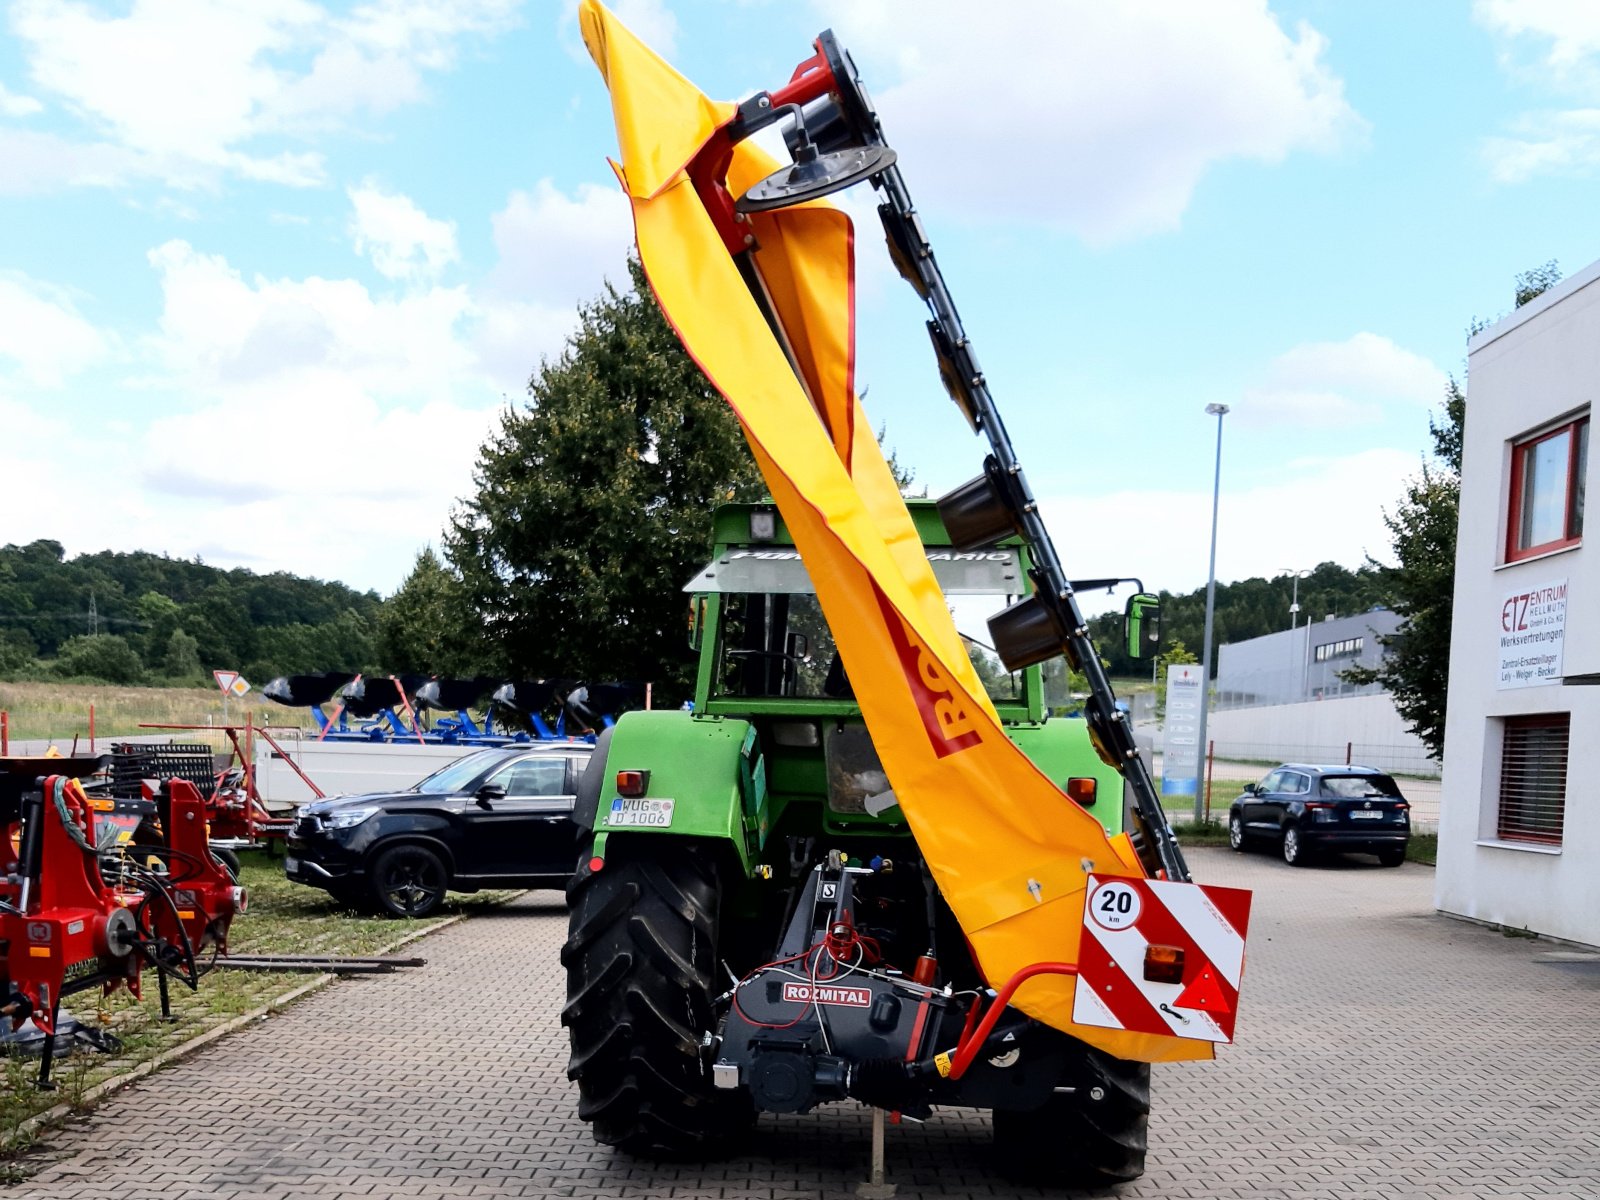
x,y
291,865
647,812
1362,814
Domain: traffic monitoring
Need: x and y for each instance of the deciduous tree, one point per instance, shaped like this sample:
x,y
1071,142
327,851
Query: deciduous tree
x,y
592,503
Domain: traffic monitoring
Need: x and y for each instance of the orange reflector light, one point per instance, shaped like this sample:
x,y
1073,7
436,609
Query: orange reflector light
x,y
186,914
633,783
596,863
38,951
1080,788
1163,964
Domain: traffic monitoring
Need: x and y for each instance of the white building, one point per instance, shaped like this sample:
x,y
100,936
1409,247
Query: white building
x,y
1519,835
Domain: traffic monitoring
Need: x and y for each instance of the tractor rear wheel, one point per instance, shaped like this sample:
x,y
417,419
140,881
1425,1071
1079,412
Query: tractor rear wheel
x,y
1092,1137
641,959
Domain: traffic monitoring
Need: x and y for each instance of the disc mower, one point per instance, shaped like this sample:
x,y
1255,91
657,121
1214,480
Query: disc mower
x,y
868,865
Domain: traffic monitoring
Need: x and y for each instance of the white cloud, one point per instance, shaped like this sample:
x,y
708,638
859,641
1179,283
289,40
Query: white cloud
x,y
652,21
1317,509
555,250
403,241
1553,46
1339,384
186,87
1545,143
1098,118
1571,28
13,105
307,424
42,335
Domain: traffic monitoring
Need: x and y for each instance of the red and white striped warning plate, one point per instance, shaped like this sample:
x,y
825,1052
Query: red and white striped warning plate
x,y
1122,918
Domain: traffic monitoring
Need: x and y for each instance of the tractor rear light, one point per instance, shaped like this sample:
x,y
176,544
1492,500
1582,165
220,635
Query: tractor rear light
x,y
596,863
1081,789
1163,964
633,784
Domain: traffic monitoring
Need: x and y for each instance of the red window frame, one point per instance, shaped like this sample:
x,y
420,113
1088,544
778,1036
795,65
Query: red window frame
x,y
1533,768
1572,523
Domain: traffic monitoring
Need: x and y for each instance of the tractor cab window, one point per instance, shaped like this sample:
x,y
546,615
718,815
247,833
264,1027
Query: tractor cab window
x,y
774,640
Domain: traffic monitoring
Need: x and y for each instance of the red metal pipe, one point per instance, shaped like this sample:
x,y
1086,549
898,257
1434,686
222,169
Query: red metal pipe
x,y
5,732
968,1049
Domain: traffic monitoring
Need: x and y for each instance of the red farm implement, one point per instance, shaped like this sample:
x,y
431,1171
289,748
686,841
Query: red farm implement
x,y
84,906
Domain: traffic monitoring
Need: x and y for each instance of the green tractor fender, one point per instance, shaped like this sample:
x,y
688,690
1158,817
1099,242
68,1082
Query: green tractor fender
x,y
706,780
1061,749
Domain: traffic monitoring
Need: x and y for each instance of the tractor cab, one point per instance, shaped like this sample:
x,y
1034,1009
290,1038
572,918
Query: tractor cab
x,y
765,645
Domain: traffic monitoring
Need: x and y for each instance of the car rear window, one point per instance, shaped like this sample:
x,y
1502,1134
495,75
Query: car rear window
x,y
1354,787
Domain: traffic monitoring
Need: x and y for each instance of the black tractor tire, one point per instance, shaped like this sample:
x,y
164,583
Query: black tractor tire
x,y
408,880
229,860
642,960
1391,858
1092,1137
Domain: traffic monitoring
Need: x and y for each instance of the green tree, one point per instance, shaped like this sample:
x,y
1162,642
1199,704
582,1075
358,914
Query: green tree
x,y
181,661
593,501
106,658
1421,585
427,625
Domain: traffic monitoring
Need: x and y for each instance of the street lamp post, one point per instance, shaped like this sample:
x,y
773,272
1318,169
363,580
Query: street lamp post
x,y
1218,411
1294,611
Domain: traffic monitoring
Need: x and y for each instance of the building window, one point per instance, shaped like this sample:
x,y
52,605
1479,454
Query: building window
x,y
1533,778
1547,476
1349,648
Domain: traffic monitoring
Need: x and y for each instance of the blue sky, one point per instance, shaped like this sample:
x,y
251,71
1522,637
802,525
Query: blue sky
x,y
269,268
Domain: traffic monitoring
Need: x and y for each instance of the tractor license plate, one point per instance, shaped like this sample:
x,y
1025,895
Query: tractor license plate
x,y
646,812
1362,814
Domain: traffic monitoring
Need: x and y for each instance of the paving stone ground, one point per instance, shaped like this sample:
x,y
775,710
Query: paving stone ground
x,y
1384,1052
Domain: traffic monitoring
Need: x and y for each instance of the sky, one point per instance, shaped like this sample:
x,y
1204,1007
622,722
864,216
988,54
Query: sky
x,y
270,270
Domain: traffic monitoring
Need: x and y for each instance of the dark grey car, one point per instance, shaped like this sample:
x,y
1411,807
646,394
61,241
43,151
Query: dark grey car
x,y
500,817
1306,809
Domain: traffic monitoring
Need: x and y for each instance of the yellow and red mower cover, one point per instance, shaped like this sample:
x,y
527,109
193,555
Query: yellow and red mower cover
x,y
1010,852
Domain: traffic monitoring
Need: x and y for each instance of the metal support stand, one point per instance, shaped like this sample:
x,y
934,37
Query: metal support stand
x,y
166,997
47,1054
875,1188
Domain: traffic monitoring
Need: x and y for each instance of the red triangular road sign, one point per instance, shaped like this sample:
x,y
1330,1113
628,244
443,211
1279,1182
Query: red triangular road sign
x,y
1204,993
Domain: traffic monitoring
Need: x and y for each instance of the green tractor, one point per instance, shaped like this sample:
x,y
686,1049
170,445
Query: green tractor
x,y
752,925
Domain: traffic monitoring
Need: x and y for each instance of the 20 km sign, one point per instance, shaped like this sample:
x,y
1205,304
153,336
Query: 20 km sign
x,y
1197,932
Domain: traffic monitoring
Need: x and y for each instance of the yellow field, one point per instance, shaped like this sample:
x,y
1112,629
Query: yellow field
x,y
60,711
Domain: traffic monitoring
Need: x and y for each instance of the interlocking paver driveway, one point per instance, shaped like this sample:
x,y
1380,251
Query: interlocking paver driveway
x,y
1384,1052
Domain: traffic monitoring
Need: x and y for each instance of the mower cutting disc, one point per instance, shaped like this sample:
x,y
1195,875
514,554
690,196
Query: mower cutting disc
x,y
812,177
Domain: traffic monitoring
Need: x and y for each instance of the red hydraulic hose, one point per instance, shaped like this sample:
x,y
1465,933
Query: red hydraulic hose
x,y
971,1043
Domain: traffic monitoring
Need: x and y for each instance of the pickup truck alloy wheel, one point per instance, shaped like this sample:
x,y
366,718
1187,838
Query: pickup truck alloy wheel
x,y
409,881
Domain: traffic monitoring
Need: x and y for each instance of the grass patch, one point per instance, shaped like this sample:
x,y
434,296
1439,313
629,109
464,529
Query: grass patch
x,y
60,711
1223,793
1205,833
284,918
1423,848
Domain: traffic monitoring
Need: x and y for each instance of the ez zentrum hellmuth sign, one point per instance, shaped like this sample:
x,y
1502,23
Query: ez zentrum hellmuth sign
x,y
1533,630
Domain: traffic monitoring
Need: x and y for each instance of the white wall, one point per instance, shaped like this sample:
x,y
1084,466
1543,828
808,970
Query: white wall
x,y
1539,364
1318,730
346,768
